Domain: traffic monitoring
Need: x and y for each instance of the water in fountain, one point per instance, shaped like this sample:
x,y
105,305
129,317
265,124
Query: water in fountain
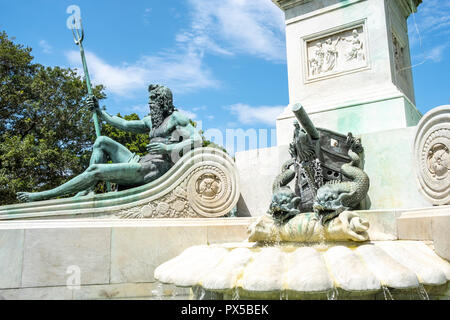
x,y
423,295
173,295
199,293
158,292
284,295
235,295
332,294
387,293
277,240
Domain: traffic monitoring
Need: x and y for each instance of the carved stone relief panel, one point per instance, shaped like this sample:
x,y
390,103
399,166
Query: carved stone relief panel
x,y
337,52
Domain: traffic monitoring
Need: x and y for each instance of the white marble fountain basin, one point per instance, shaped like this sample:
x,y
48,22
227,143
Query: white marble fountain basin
x,y
265,271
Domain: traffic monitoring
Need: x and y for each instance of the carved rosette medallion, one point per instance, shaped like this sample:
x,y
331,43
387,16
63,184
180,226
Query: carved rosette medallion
x,y
432,155
438,160
208,186
210,190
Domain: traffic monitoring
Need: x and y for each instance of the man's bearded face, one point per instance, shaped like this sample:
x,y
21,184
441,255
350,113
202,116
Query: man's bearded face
x,y
160,105
157,101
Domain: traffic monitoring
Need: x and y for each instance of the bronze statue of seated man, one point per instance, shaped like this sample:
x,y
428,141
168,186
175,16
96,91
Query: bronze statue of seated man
x,y
171,135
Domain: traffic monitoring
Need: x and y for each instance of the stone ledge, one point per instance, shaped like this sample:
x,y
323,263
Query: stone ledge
x,y
440,227
147,290
417,224
120,223
427,224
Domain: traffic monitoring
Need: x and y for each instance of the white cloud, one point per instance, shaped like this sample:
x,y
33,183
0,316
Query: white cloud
x,y
181,72
188,114
261,114
117,79
436,53
430,22
202,108
428,32
252,27
224,27
142,110
146,15
46,48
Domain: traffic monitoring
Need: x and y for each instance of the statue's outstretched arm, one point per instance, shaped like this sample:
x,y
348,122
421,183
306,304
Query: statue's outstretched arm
x,y
137,126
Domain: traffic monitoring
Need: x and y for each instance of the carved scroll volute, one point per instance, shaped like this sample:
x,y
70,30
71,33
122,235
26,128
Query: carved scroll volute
x,y
432,155
211,190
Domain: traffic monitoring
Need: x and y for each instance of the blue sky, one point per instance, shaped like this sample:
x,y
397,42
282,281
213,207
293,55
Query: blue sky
x,y
223,59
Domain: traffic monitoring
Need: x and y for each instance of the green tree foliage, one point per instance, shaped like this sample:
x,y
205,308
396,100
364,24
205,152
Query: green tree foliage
x,y
46,133
135,142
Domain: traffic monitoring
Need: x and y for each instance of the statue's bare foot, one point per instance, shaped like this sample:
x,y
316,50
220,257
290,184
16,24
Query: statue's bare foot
x,y
25,196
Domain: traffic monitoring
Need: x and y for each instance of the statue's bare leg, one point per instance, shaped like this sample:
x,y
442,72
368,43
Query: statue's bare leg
x,y
103,148
121,173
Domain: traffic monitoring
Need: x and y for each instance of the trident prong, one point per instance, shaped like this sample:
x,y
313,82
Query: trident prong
x,y
76,34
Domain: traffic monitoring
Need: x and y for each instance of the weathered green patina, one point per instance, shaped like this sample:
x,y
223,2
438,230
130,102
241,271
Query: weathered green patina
x,y
335,196
284,204
328,179
171,135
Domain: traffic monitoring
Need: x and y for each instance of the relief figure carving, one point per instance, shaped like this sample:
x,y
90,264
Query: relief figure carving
x,y
356,50
341,51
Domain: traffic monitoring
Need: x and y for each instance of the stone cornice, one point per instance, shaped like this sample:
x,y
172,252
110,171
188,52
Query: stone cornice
x,y
287,4
409,5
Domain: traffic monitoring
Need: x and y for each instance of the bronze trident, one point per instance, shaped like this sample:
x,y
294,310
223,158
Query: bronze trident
x,y
78,38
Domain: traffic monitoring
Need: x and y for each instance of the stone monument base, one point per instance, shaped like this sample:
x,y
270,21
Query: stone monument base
x,y
116,259
113,259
